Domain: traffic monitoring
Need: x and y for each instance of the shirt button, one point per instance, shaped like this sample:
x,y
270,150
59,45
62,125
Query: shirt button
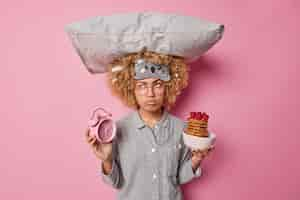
x,y
154,176
153,149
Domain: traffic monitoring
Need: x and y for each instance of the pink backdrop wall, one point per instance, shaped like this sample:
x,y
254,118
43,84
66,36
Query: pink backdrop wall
x,y
248,83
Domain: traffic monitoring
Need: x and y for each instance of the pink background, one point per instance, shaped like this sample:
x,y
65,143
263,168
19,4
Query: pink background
x,y
247,83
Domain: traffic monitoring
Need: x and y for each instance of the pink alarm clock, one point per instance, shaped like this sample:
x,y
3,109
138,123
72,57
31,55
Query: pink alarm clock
x,y
102,125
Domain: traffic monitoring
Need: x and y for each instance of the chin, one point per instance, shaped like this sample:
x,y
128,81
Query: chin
x,y
152,108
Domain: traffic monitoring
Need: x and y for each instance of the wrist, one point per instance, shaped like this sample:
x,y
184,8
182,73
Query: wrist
x,y
196,164
107,166
107,161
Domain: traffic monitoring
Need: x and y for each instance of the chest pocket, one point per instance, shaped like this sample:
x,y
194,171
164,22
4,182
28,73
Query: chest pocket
x,y
132,155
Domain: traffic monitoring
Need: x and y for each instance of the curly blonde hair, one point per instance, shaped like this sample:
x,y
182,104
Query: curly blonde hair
x,y
122,83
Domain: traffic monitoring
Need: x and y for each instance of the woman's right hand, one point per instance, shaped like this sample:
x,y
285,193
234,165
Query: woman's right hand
x,y
103,151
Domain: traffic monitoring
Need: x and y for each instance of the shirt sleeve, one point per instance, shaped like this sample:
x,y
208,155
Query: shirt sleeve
x,y
186,173
114,177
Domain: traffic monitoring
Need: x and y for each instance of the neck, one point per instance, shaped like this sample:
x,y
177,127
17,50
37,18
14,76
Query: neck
x,y
150,118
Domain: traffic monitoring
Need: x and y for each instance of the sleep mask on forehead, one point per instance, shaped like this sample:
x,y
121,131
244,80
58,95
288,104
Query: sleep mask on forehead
x,y
144,69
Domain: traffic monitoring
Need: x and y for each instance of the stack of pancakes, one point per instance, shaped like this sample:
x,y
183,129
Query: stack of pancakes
x,y
197,124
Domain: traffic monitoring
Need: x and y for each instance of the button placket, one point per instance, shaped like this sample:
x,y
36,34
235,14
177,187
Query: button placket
x,y
156,133
153,150
154,176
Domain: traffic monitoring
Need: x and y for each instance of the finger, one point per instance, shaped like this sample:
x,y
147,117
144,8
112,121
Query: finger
x,y
205,151
199,154
89,139
93,140
198,151
208,152
96,151
98,146
211,148
87,132
88,135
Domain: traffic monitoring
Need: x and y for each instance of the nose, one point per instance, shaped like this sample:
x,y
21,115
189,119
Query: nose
x,y
150,91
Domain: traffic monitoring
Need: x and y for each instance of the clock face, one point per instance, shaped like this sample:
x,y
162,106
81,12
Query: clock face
x,y
105,130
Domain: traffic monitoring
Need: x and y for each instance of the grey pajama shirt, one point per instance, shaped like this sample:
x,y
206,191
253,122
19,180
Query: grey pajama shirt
x,y
150,164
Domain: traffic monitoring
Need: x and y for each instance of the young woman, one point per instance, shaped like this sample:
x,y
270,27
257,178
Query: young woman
x,y
148,159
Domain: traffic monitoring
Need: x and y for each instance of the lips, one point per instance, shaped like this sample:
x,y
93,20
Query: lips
x,y
150,102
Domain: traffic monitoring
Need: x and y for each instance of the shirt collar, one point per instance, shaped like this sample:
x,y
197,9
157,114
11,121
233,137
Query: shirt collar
x,y
138,121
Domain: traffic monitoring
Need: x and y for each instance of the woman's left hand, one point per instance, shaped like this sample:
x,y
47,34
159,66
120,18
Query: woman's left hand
x,y
198,155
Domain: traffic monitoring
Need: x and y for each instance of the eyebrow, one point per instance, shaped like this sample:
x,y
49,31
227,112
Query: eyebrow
x,y
144,82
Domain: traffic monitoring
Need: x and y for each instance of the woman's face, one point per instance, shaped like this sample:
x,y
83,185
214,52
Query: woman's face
x,y
150,94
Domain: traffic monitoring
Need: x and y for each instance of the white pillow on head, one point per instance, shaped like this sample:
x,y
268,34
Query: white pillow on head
x,y
98,40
